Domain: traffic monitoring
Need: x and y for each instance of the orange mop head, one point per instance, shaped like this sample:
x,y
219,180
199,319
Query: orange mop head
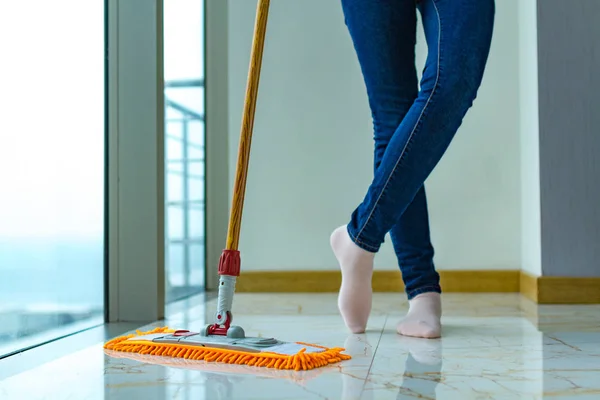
x,y
257,352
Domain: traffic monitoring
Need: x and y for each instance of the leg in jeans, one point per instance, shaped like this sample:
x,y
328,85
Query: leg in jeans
x,y
392,84
391,80
458,35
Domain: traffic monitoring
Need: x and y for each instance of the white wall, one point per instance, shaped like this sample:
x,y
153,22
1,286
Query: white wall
x,y
531,252
311,158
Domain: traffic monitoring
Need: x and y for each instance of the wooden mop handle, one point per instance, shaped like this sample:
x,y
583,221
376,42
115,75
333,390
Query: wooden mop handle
x,y
241,172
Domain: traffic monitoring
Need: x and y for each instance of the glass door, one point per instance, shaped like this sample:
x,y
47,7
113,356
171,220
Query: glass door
x,y
185,147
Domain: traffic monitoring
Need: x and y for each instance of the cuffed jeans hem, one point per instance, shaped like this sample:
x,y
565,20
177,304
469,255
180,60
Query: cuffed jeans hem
x,y
360,243
426,289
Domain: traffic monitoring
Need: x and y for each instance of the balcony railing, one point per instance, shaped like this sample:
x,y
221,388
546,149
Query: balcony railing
x,y
187,167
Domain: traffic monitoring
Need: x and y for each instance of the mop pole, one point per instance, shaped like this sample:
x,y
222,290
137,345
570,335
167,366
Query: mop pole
x,y
230,262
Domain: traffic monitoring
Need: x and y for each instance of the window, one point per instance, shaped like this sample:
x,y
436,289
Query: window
x,y
184,135
51,170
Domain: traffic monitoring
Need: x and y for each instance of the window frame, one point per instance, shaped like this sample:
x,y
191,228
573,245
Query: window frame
x,y
135,269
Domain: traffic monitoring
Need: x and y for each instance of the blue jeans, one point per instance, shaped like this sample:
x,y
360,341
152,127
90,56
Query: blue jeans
x,y
413,128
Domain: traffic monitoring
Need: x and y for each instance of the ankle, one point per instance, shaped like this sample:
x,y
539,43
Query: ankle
x,y
346,250
427,295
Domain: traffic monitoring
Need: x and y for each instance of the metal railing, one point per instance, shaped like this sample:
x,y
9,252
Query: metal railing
x,y
181,167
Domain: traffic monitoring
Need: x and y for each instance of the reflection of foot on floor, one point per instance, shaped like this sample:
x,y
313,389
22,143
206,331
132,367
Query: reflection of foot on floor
x,y
423,368
359,348
426,352
423,318
353,371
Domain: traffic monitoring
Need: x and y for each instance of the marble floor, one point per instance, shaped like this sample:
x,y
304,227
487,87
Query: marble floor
x,y
495,346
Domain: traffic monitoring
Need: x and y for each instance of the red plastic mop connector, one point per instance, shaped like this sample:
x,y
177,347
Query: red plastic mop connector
x,y
230,263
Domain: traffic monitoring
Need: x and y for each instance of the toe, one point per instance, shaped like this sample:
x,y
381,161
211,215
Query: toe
x,y
418,329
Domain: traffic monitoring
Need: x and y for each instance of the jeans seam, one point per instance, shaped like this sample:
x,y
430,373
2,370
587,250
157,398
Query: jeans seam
x,y
435,86
361,243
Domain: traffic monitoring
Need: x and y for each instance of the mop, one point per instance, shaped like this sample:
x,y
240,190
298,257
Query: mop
x,y
221,341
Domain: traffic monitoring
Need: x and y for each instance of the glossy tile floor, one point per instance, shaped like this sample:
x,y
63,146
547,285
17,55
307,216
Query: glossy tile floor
x,y
494,347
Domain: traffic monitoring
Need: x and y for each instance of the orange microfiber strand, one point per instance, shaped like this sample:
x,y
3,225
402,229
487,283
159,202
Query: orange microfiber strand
x,y
300,361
